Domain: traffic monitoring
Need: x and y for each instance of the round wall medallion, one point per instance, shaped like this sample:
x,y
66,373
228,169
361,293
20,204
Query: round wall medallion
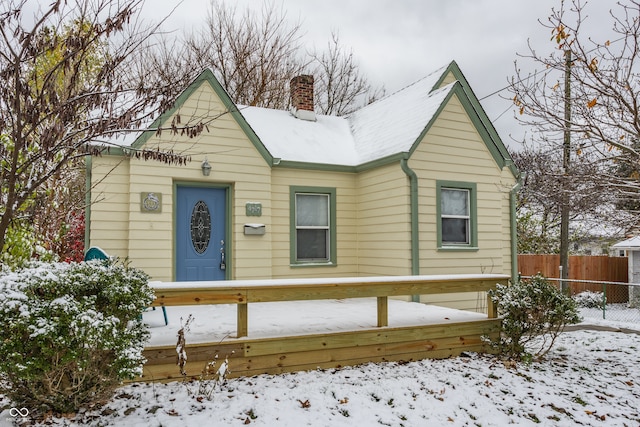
x,y
151,202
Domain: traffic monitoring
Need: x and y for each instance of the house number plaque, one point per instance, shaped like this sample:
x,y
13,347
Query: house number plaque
x,y
253,209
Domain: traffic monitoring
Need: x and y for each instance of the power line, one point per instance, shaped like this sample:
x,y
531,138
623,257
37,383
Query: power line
x,y
536,72
508,86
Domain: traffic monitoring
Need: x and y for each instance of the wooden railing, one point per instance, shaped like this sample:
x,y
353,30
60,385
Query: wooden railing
x,y
245,292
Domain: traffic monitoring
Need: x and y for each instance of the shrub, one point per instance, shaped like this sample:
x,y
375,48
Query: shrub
x,y
588,299
71,333
534,312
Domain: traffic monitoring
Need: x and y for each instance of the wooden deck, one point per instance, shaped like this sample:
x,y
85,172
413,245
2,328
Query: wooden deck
x,y
256,355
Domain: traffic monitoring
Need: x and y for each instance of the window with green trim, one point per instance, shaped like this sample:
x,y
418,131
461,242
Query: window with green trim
x,y
313,225
457,214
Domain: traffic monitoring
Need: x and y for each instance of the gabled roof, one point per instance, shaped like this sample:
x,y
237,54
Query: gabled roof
x,y
629,244
379,130
386,130
394,123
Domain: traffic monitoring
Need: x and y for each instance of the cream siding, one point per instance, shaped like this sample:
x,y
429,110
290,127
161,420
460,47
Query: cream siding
x,y
453,150
346,222
373,207
449,78
109,210
236,164
384,222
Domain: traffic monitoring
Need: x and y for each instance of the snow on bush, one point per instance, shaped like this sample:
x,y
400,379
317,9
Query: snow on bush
x,y
71,332
533,312
588,299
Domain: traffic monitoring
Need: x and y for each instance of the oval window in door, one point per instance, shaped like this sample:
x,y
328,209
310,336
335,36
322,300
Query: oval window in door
x,y
200,227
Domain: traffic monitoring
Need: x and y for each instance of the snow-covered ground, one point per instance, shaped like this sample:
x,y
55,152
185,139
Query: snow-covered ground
x,y
213,323
589,378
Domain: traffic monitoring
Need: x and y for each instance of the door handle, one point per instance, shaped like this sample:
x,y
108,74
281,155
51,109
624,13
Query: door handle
x,y
223,263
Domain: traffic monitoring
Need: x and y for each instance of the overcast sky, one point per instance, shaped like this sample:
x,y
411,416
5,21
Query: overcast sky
x,y
397,42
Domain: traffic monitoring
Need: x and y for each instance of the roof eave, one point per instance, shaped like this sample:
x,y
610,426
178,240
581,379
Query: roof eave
x,y
206,76
478,117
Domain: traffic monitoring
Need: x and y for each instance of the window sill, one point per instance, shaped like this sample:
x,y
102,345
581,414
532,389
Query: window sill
x,y
458,248
313,264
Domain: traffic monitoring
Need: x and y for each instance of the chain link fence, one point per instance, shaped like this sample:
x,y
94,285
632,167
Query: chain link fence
x,y
615,301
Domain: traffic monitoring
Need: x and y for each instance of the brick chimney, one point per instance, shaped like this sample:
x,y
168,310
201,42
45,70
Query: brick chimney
x,y
302,97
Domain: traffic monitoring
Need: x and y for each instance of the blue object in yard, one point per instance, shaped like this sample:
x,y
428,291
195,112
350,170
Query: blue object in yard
x,y
164,313
95,252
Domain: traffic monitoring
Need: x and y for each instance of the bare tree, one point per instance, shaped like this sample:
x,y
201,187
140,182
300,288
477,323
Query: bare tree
x,y
254,57
603,75
66,83
604,84
584,98
540,200
340,87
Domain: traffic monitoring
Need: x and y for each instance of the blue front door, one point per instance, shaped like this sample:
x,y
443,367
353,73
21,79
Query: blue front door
x,y
200,233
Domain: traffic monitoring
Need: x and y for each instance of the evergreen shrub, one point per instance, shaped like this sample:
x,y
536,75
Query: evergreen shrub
x,y
534,313
589,299
70,333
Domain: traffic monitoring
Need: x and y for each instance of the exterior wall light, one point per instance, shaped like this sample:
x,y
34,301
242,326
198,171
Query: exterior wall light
x,y
206,167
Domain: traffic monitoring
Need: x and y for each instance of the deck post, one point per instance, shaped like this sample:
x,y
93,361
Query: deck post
x,y
383,311
243,320
492,309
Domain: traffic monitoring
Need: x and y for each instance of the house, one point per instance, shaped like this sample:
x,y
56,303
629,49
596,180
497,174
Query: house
x,y
418,182
631,249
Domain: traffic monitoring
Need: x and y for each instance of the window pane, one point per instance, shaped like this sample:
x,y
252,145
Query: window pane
x,y
454,202
455,230
312,244
200,227
312,210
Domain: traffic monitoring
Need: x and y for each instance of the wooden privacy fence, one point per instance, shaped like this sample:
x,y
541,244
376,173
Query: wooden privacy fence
x,y
591,268
250,356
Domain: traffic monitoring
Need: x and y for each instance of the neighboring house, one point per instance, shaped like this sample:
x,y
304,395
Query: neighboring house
x,y
631,249
418,182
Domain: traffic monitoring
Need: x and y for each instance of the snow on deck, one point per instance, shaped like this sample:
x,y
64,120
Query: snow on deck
x,y
324,280
214,323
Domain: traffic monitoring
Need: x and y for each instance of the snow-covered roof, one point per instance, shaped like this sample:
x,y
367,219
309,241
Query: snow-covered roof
x,y
632,243
388,126
381,130
327,140
393,124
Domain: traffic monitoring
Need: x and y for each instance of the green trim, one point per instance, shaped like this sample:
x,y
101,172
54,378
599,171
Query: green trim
x,y
88,165
415,231
415,223
460,249
477,122
228,226
513,196
473,213
289,164
478,117
382,162
333,257
341,168
208,77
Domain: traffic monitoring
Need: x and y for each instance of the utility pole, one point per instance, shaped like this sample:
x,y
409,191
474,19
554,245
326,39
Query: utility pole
x,y
566,161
